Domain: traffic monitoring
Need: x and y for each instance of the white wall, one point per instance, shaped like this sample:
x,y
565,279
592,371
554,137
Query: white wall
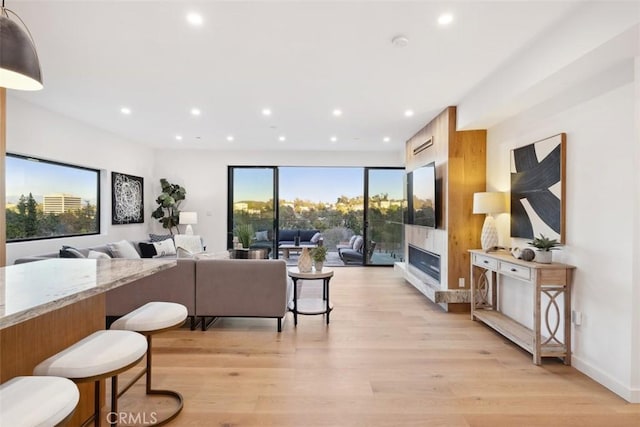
x,y
51,136
204,176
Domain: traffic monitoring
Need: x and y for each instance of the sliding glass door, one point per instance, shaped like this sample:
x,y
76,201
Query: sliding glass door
x,y
383,212
252,210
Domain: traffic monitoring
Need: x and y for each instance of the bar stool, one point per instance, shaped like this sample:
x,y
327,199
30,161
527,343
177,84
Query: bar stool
x,y
37,401
101,355
148,320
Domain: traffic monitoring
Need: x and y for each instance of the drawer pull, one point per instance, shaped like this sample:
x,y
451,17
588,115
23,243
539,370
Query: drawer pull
x,y
514,270
485,261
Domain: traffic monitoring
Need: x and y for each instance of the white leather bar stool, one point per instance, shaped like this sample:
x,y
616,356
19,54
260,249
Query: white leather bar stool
x,y
148,320
101,355
37,401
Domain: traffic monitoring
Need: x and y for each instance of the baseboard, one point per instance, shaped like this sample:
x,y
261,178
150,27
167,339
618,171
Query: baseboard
x,y
629,394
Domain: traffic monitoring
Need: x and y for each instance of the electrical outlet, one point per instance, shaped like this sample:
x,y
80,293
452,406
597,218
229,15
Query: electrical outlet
x,y
576,317
461,282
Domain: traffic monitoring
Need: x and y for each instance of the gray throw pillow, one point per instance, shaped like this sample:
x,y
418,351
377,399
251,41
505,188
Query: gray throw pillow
x,y
159,237
70,252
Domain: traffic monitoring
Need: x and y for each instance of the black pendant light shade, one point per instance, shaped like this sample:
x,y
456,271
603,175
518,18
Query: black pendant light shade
x,y
19,65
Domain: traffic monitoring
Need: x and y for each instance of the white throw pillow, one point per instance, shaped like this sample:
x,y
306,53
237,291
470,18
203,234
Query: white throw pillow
x,y
357,244
352,240
164,248
316,238
213,255
262,236
188,242
98,255
123,249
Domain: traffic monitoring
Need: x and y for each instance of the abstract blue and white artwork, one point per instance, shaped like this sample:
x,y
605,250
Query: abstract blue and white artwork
x,y
537,189
127,199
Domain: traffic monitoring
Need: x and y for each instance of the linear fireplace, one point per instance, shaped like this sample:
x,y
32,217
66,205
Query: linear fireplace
x,y
425,261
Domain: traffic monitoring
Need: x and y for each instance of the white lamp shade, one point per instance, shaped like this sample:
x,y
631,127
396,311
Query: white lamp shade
x,y
188,217
489,203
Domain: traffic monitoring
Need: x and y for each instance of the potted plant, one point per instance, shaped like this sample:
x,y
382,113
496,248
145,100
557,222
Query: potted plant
x,y
544,246
244,233
169,201
319,256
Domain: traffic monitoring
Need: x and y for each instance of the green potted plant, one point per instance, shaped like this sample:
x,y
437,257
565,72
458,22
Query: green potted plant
x,y
319,256
169,201
245,234
544,246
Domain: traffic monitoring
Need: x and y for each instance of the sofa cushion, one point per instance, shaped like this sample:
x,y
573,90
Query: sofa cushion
x,y
147,250
316,238
357,244
165,247
123,249
262,236
70,252
287,235
307,235
159,237
97,255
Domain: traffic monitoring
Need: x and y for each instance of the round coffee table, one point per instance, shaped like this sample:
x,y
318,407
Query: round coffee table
x,y
310,305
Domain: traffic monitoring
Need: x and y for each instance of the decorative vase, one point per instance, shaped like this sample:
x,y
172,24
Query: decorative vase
x,y
304,262
544,257
318,265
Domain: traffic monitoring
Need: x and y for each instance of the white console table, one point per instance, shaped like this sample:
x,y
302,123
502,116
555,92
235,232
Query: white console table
x,y
552,280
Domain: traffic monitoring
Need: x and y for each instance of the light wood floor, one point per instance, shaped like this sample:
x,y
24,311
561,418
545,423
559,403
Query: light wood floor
x,y
388,358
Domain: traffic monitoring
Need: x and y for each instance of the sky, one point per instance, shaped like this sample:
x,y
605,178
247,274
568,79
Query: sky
x,y
42,178
317,184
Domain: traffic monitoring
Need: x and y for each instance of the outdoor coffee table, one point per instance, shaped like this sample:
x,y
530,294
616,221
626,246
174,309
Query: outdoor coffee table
x,y
310,305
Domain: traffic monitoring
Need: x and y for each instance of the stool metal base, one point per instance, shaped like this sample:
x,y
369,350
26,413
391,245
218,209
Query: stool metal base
x,y
150,391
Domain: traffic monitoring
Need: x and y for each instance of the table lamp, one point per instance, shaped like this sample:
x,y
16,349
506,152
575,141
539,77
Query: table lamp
x,y
188,218
489,203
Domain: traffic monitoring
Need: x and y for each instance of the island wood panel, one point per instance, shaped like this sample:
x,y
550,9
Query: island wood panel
x,y
3,150
26,344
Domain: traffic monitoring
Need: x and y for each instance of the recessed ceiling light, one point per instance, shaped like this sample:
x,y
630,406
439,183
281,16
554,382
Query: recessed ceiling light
x,y
282,138
337,112
179,137
386,139
333,139
445,19
229,138
194,19
196,111
266,112
408,113
400,41
125,110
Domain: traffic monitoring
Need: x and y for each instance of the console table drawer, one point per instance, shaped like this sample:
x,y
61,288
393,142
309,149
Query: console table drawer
x,y
515,270
486,262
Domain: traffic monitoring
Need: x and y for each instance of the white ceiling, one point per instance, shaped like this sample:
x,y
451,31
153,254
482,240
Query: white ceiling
x,y
300,59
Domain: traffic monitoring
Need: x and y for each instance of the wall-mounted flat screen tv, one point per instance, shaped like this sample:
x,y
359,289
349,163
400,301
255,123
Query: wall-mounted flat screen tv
x,y
421,196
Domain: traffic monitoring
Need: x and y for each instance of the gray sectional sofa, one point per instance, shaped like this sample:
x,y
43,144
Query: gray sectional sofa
x,y
208,287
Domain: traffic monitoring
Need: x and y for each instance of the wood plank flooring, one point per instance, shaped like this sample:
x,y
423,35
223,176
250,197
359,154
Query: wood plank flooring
x,y
388,358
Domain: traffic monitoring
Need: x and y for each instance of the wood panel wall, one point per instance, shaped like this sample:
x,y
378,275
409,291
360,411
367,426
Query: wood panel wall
x,y
460,158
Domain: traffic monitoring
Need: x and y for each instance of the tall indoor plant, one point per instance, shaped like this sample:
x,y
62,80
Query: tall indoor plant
x,y
168,212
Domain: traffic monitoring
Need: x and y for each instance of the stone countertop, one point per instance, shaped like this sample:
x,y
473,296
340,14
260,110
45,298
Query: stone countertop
x,y
32,289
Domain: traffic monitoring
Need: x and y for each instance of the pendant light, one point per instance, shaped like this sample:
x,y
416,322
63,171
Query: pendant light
x,y
19,64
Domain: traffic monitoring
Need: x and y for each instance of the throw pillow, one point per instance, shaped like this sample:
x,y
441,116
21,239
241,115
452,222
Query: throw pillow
x,y
123,249
352,240
190,242
159,237
70,252
165,247
213,255
262,236
316,238
147,250
98,255
357,244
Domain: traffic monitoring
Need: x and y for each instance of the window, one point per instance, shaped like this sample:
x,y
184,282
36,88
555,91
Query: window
x,y
47,199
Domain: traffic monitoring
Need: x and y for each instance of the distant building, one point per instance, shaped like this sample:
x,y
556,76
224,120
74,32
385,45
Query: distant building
x,y
61,203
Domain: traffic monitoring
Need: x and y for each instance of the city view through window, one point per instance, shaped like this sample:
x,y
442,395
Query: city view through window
x,y
46,199
331,200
